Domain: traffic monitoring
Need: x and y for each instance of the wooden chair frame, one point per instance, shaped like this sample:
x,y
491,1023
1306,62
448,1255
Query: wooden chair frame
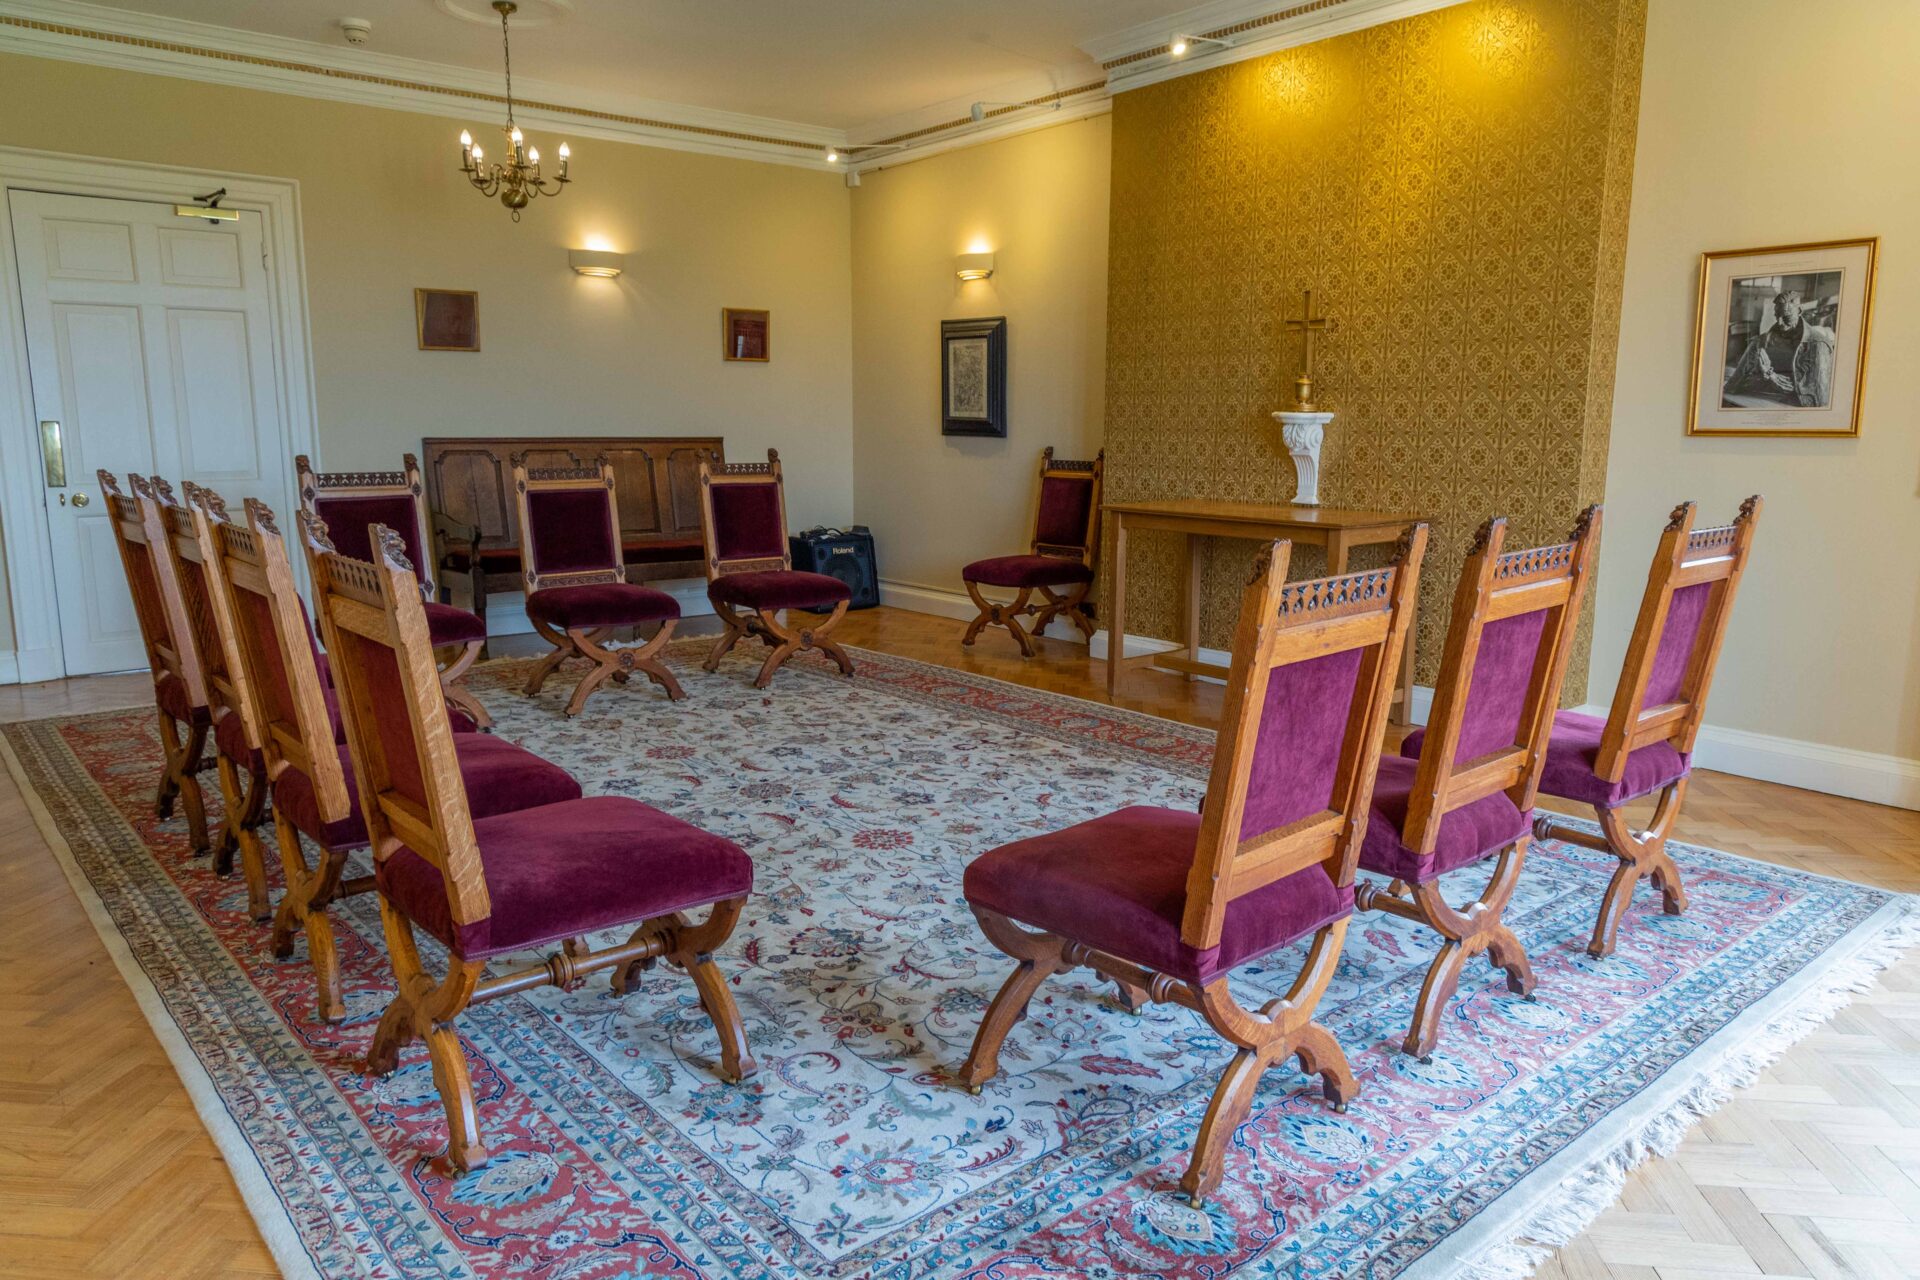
x,y
243,783
609,662
1492,586
253,559
1685,557
404,483
1072,605
167,636
377,603
782,638
1279,624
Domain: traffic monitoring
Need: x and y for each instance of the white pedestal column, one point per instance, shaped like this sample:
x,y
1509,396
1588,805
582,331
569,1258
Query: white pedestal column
x,y
1303,434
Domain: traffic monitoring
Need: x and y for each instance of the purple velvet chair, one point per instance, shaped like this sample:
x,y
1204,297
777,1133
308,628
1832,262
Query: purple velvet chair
x,y
487,887
750,566
179,686
1471,797
1167,903
1066,544
577,589
1645,744
301,735
348,503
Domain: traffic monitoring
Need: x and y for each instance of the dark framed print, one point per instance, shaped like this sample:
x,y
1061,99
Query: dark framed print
x,y
973,377
743,333
1780,340
447,319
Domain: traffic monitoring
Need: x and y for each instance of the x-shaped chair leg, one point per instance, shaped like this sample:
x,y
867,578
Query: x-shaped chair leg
x,y
783,639
1642,855
1464,934
608,662
451,687
182,747
1000,615
245,801
1068,606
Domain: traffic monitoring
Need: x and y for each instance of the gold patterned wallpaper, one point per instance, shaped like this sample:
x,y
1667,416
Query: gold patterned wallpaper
x,y
1454,187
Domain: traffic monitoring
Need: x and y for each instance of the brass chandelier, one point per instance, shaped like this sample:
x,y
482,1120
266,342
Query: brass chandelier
x,y
516,180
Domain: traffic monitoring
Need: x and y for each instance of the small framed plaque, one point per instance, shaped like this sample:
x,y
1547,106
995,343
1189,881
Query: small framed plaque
x,y
973,377
744,334
447,319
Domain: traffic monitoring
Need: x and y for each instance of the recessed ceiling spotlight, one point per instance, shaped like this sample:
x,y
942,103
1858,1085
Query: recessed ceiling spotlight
x,y
1179,46
833,156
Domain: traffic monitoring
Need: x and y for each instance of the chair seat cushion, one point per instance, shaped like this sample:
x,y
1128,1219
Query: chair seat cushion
x,y
1119,884
1575,746
779,589
605,604
170,692
447,625
1027,571
1468,834
569,869
230,739
499,776
1572,751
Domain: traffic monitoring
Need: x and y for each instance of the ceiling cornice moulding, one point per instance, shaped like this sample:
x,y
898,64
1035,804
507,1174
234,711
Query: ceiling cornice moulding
x,y
1139,56
104,36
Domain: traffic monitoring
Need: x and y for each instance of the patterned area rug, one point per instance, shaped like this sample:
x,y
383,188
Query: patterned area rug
x,y
861,975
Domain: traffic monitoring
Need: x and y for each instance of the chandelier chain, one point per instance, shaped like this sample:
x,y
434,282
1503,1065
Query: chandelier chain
x,y
506,56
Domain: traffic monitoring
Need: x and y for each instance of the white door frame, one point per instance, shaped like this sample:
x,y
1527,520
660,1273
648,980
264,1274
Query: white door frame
x,y
36,617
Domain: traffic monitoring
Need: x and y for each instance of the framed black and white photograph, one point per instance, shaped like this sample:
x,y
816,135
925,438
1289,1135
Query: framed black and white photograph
x,y
1780,347
973,377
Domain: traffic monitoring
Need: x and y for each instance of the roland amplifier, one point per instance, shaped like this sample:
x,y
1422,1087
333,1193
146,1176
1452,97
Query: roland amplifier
x,y
846,555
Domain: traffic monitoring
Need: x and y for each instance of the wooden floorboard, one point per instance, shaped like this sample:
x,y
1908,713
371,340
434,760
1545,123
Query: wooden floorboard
x,y
106,1171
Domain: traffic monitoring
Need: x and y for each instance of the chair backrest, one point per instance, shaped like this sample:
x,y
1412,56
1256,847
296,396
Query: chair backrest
x,y
1662,694
743,516
569,524
1508,643
190,544
411,791
165,632
1067,521
278,652
1302,728
351,502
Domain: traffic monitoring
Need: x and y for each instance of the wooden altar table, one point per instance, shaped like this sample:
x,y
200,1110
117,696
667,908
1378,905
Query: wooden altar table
x,y
1334,530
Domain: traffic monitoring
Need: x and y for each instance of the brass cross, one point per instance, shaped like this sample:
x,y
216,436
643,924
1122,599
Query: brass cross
x,y
1312,327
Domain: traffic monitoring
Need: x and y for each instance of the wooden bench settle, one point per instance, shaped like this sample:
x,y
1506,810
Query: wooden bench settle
x,y
656,482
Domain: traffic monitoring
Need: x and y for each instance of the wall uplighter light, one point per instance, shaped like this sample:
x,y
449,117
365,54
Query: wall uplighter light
x,y
973,266
596,262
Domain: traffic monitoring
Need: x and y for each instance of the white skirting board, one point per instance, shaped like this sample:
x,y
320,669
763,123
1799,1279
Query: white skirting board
x,y
1840,771
9,667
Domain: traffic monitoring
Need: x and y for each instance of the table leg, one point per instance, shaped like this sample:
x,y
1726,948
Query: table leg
x,y
1401,713
1117,607
1336,553
1192,599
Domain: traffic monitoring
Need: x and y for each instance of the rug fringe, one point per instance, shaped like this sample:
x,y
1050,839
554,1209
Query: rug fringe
x,y
1583,1197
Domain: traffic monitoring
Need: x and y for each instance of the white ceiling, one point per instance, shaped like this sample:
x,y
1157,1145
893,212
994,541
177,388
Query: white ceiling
x,y
863,66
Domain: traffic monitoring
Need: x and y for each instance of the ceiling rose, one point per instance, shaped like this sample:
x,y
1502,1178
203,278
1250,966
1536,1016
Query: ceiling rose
x,y
533,13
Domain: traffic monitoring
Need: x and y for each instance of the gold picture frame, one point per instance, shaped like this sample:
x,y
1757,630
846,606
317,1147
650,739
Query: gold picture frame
x,y
746,334
446,319
1784,330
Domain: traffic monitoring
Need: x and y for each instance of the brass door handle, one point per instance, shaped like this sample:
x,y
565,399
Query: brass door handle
x,y
81,499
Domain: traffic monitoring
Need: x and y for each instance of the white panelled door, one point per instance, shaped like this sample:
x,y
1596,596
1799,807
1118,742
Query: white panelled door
x,y
150,345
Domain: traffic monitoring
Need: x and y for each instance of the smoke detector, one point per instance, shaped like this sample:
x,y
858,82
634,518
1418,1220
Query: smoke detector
x,y
356,30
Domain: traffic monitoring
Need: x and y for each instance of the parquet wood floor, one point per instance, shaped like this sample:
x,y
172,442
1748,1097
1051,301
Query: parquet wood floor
x,y
105,1170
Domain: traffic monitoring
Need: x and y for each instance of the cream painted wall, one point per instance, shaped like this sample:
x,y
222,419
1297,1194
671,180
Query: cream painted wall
x,y
1770,122
1039,203
383,210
